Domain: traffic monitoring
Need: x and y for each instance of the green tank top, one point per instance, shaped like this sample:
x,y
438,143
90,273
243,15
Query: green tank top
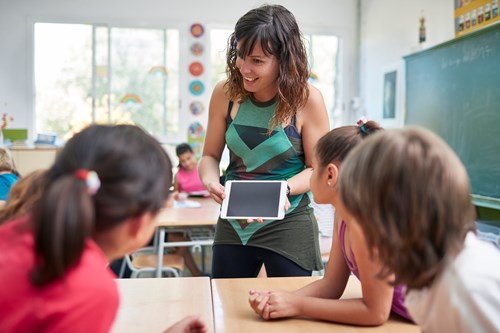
x,y
279,155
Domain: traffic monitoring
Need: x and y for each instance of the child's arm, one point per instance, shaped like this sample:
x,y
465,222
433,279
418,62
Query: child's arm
x,y
372,309
331,286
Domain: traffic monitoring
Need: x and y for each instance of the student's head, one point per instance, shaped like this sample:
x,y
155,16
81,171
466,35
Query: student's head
x,y
410,194
329,153
23,195
187,159
6,161
266,51
107,179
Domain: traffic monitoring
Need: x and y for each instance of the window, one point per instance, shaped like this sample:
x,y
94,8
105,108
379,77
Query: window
x,y
218,47
101,74
323,52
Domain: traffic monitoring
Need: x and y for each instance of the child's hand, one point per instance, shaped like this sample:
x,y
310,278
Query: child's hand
x,y
191,324
217,191
279,304
258,301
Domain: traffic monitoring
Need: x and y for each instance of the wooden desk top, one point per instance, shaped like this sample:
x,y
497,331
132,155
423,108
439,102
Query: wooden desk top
x,y
207,214
153,305
232,313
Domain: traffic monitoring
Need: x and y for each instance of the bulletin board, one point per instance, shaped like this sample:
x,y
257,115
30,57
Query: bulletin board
x,y
471,15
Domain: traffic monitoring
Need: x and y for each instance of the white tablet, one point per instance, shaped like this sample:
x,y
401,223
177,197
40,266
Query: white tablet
x,y
247,199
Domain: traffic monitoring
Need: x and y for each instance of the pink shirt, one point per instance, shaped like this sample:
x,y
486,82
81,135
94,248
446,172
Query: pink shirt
x,y
189,181
84,300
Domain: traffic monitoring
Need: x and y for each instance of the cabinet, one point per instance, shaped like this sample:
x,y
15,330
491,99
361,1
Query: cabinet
x,y
30,159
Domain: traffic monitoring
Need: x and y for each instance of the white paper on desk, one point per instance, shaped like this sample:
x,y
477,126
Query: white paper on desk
x,y
187,204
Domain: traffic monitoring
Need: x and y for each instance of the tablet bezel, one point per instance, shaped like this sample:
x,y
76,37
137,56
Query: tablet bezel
x,y
281,207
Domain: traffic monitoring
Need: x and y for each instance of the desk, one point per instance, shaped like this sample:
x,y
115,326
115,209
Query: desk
x,y
152,305
196,219
232,313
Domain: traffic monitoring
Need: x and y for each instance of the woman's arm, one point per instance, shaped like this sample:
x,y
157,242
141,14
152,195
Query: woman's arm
x,y
208,168
313,123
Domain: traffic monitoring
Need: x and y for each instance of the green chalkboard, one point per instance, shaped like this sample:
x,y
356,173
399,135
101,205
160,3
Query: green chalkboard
x,y
453,89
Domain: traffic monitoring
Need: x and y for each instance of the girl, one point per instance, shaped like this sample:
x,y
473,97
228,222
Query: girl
x,y
99,202
187,179
270,118
409,194
349,252
8,174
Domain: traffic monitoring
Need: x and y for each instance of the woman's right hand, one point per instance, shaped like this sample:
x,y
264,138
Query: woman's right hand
x,y
217,191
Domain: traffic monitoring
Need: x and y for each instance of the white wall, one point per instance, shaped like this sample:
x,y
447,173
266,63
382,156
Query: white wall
x,y
16,33
389,31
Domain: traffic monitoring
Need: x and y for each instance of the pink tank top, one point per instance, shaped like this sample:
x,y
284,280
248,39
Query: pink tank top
x,y
398,297
189,181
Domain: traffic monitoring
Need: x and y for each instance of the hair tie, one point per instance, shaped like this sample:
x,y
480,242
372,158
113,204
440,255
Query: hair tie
x,y
90,178
361,123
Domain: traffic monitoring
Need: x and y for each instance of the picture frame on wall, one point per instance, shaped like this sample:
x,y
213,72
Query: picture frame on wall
x,y
392,96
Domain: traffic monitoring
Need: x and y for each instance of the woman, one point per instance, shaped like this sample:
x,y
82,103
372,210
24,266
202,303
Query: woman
x,y
270,118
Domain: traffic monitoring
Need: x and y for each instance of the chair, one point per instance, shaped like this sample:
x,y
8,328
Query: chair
x,y
145,260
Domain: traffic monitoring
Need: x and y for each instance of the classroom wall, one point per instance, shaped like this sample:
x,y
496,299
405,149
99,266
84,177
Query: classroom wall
x,y
16,33
389,30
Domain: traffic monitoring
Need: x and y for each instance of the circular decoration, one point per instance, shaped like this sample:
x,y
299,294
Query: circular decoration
x,y
197,49
196,87
196,68
196,130
197,30
196,108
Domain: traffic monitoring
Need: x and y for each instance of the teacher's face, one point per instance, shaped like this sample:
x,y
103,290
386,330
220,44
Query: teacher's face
x,y
259,72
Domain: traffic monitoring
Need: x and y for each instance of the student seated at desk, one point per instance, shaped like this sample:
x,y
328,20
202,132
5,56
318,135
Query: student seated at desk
x,y
349,252
418,218
99,202
8,174
187,179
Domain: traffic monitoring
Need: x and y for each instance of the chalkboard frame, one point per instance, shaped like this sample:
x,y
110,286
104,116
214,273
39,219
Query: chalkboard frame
x,y
489,201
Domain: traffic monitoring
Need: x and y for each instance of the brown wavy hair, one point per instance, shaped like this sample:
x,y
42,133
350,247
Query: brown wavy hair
x,y
410,194
277,31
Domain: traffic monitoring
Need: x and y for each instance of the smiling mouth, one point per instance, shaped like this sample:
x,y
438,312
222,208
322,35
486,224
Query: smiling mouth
x,y
249,79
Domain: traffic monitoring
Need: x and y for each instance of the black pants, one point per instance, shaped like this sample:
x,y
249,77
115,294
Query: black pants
x,y
240,261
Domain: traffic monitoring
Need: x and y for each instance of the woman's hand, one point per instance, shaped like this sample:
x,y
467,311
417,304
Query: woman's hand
x,y
191,324
217,191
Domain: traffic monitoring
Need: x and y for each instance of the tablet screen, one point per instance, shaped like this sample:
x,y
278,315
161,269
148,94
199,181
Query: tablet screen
x,y
252,199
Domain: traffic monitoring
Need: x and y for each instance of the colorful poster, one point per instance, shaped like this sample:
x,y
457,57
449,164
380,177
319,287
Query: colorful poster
x,y
197,49
474,15
196,108
196,87
197,30
196,68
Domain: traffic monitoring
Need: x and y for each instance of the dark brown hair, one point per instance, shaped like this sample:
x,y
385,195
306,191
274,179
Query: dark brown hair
x,y
275,28
336,144
410,194
135,174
